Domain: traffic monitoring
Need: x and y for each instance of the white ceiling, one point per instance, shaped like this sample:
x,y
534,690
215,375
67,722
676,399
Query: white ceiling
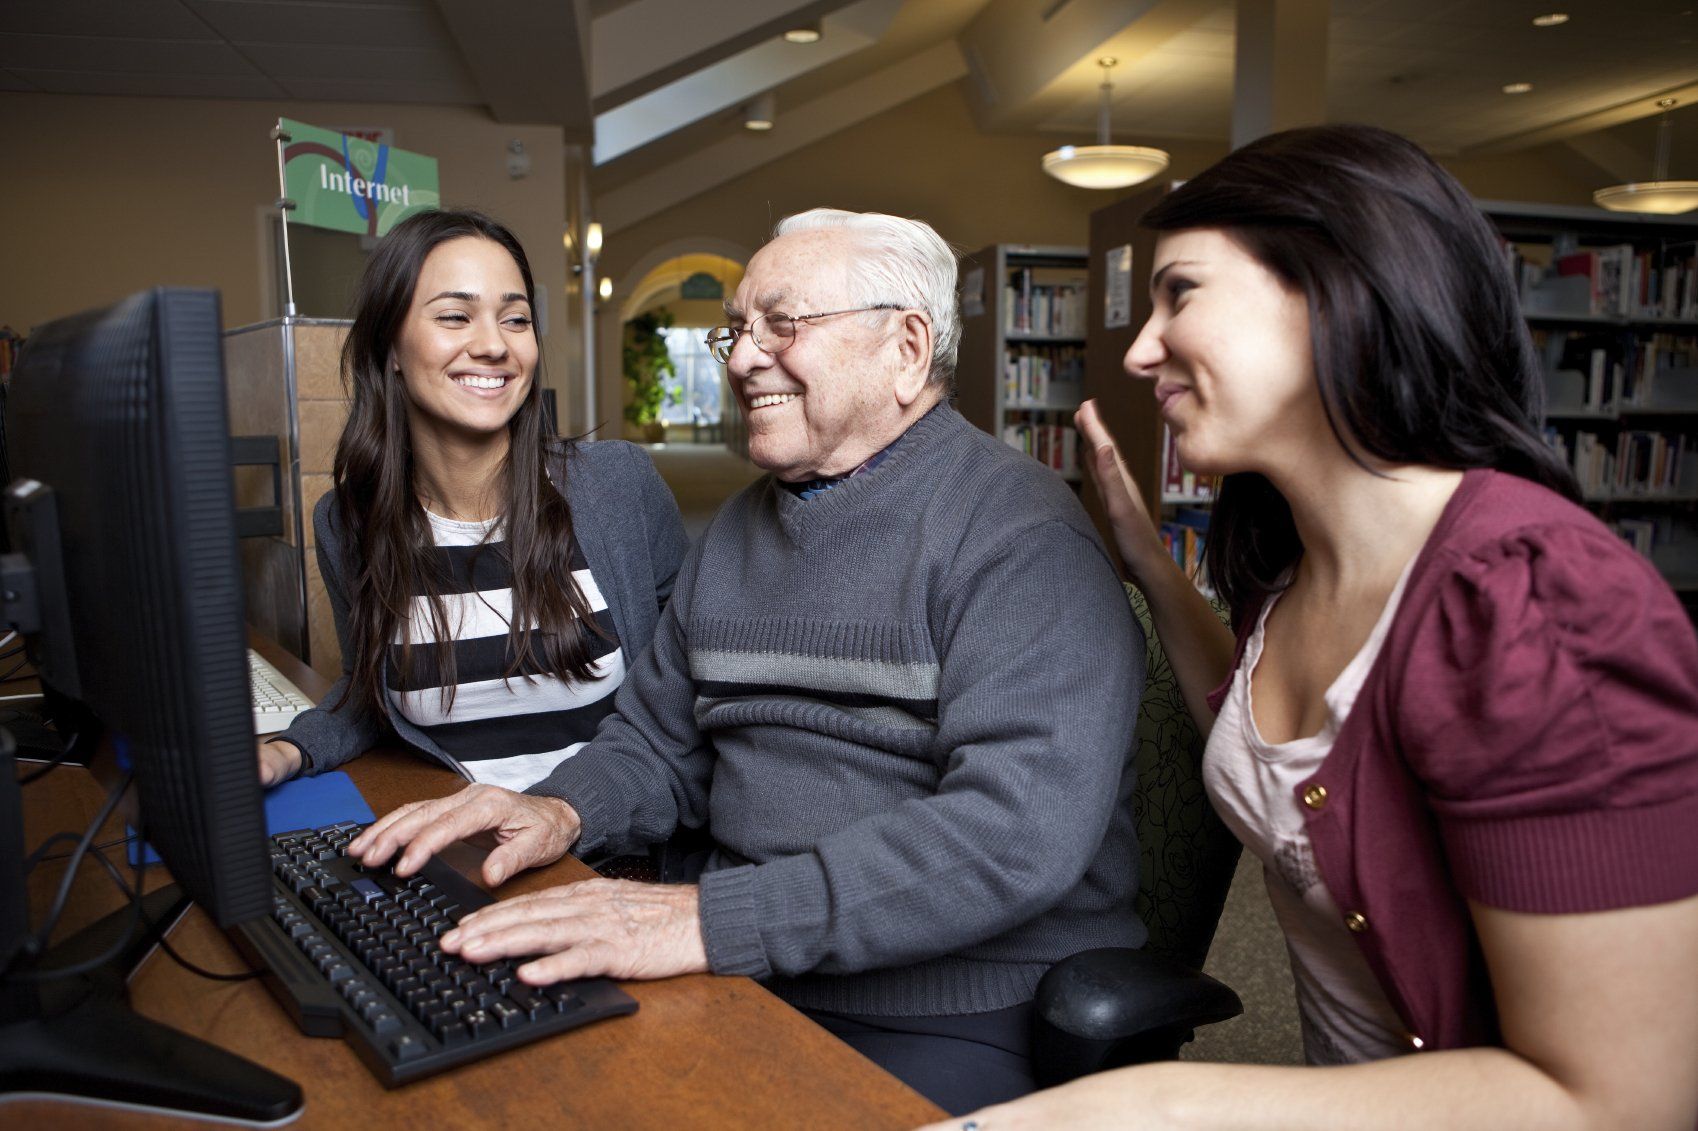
x,y
663,81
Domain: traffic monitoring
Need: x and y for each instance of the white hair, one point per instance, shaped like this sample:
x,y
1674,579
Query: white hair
x,y
906,263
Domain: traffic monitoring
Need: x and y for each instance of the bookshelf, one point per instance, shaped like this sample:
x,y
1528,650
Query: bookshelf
x,y
1612,302
1021,368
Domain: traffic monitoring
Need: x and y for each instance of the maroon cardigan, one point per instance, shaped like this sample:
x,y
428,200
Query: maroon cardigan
x,y
1527,738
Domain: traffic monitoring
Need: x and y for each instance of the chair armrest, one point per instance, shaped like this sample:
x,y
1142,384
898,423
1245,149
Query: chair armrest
x,y
1108,1007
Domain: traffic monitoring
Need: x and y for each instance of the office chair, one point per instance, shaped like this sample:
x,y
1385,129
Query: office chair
x,y
1113,1006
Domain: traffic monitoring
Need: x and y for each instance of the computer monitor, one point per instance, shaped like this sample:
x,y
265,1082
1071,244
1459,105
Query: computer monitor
x,y
122,521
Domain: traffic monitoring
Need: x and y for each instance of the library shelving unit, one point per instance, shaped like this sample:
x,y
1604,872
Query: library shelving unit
x,y
1120,254
1020,371
1612,302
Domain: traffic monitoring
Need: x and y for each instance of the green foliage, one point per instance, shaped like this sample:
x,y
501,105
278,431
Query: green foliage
x,y
647,365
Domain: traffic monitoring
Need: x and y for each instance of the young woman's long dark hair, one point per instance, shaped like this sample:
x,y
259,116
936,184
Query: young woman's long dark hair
x,y
377,495
1420,349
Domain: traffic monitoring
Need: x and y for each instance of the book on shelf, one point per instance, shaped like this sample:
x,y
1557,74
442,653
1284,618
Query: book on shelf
x,y
1618,281
1044,375
1654,463
1178,482
1185,538
1602,373
1056,446
1045,302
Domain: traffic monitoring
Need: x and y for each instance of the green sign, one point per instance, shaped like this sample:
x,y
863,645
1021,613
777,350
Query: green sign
x,y
701,285
352,184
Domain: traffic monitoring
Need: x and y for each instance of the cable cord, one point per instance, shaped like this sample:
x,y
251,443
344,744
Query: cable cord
x,y
38,944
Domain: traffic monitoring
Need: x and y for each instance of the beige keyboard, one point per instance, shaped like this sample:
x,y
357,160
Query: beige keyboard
x,y
276,700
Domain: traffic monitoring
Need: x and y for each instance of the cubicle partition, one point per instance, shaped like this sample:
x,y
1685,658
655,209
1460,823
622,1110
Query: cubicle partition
x,y
285,382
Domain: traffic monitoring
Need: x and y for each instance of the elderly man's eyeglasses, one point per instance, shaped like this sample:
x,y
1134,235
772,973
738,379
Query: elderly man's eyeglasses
x,y
774,331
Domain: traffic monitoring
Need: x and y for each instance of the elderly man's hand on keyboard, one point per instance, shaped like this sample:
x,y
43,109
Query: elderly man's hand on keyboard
x,y
606,928
528,831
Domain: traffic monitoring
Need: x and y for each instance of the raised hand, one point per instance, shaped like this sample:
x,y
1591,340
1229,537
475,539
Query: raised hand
x,y
1135,535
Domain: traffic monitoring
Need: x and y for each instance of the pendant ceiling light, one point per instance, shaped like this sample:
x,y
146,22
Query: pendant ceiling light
x,y
1103,165
1659,194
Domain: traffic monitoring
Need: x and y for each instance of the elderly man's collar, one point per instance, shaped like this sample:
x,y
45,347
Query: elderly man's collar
x,y
813,488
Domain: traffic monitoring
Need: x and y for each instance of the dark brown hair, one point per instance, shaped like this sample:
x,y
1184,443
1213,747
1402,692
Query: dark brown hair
x,y
1420,350
378,501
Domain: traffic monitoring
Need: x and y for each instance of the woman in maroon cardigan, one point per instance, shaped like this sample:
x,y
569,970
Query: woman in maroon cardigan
x,y
1470,762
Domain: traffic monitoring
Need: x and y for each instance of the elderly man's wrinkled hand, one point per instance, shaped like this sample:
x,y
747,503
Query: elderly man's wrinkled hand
x,y
596,928
528,831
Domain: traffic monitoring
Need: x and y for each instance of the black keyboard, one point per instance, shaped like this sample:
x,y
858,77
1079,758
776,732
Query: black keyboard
x,y
352,953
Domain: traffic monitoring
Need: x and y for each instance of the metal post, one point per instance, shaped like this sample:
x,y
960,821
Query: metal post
x,y
284,207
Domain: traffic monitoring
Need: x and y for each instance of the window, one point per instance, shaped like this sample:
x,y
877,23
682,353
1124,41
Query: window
x,y
693,395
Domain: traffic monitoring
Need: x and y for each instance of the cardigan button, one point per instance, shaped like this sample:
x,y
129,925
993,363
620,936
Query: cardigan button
x,y
1315,796
1356,921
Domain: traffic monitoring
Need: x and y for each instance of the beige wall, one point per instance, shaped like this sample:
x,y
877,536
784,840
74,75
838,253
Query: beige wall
x,y
106,196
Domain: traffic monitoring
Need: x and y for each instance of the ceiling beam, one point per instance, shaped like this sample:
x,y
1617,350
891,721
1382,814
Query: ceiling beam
x,y
813,121
540,77
1613,157
730,81
646,44
1586,123
1031,62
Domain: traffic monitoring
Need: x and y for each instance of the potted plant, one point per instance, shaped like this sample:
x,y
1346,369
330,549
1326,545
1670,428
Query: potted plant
x,y
647,364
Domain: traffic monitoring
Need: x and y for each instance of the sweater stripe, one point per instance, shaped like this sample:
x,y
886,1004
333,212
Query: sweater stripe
x,y
816,673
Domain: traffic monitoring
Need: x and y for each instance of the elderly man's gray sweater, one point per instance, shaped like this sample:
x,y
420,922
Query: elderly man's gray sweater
x,y
904,710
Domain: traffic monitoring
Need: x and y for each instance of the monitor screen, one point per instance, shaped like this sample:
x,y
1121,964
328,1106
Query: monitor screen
x,y
121,499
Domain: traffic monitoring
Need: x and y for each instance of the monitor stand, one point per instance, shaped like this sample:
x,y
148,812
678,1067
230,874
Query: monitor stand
x,y
75,1038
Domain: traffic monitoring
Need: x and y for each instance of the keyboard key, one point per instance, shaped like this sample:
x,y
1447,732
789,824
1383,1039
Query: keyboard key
x,y
506,1014
406,1047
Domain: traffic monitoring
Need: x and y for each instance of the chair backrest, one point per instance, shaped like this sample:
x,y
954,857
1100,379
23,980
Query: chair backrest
x,y
1188,856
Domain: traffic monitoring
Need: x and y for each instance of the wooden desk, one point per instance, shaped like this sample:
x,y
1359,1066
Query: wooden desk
x,y
701,1051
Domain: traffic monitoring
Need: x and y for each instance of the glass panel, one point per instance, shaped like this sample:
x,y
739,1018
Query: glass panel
x,y
692,396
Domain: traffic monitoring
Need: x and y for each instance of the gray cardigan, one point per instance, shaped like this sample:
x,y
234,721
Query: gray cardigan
x,y
625,519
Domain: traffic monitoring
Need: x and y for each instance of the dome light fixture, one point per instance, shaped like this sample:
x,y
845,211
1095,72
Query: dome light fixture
x,y
1550,19
1659,195
1104,165
1517,87
803,33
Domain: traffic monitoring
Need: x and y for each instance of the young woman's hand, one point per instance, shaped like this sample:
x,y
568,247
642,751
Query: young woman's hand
x,y
1135,535
278,762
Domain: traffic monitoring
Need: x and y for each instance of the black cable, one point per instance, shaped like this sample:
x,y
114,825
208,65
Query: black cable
x,y
39,943
58,760
247,975
140,867
37,858
89,965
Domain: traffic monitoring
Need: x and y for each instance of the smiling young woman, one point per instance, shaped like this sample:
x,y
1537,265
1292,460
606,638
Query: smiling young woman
x,y
489,581
1470,762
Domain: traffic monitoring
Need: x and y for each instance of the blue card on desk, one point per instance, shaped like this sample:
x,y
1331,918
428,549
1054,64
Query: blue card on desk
x,y
305,803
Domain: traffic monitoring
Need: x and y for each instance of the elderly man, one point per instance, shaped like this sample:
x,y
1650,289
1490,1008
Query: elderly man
x,y
896,683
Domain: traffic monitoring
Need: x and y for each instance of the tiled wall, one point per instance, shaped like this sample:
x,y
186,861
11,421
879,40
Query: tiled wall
x,y
322,405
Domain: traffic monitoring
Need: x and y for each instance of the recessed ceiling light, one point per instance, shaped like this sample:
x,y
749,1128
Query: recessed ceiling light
x,y
1550,19
806,33
760,114
1518,88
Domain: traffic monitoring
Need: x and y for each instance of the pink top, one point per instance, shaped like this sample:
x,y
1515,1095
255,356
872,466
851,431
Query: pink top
x,y
1527,739
1252,785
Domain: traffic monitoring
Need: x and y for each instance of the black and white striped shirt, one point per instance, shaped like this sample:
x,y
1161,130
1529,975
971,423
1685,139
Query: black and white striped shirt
x,y
509,732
